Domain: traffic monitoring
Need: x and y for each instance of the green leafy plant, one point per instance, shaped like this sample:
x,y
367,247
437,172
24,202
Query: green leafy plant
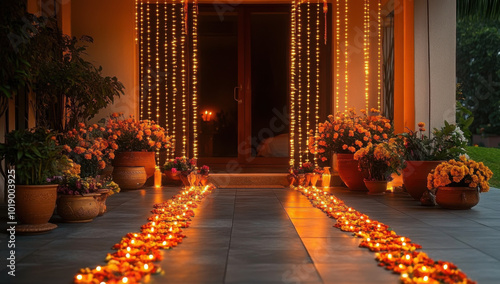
x,y
478,65
35,155
36,56
446,143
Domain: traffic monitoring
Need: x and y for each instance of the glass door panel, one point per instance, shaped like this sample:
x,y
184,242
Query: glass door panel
x,y
269,81
218,77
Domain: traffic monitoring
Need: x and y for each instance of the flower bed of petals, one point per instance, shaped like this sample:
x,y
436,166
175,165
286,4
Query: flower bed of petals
x,y
135,255
394,252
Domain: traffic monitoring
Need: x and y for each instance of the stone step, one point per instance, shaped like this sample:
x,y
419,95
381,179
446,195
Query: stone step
x,y
256,180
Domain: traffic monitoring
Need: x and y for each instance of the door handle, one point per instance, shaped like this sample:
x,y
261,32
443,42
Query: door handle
x,y
236,92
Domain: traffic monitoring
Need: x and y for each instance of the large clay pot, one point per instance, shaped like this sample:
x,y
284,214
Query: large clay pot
x,y
415,176
137,159
376,187
129,177
34,206
77,208
349,172
457,197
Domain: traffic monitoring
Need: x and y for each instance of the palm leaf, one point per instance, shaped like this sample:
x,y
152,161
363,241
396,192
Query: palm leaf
x,y
478,9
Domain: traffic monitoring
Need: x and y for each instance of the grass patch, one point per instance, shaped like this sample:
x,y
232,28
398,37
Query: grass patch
x,y
491,158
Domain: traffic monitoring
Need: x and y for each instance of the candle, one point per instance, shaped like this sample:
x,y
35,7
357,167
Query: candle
x,y
157,177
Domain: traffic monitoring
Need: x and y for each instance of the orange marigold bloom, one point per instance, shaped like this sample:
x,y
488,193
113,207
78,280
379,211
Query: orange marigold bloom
x,y
102,164
115,114
87,156
352,149
344,146
421,124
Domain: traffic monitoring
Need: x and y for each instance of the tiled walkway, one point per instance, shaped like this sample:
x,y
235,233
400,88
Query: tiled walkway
x,y
266,236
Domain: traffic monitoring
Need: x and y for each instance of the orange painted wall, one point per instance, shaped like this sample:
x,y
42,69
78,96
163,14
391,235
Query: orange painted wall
x,y
111,23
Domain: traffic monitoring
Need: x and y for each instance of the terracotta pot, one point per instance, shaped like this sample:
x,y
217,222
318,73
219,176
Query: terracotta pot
x,y
204,180
107,172
376,187
172,179
77,208
349,172
184,180
137,159
457,197
101,200
314,179
35,205
301,180
308,179
415,176
129,177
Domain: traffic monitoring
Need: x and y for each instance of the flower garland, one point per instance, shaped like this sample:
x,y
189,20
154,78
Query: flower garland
x,y
394,252
136,252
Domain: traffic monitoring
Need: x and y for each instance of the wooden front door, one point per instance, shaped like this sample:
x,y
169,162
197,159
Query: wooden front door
x,y
243,86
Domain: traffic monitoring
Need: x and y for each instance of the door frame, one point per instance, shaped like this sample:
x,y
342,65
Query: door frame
x,y
245,161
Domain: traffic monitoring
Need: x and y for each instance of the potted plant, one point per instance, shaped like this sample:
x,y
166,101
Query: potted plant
x,y
137,141
422,154
377,162
181,168
457,183
76,201
203,175
347,132
90,147
36,157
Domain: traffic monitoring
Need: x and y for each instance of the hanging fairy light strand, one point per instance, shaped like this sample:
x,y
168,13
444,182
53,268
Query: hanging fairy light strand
x,y
183,79
379,54
173,47
148,70
157,75
316,114
346,53
366,50
337,56
308,74
195,79
293,43
141,62
299,93
165,72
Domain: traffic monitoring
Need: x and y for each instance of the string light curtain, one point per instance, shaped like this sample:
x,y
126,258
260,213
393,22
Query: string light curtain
x,y
305,68
305,34
167,38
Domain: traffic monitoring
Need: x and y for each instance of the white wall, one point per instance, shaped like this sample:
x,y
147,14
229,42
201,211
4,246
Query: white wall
x,y
439,105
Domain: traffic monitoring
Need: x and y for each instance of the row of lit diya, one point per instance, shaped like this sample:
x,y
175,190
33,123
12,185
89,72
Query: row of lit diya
x,y
133,260
394,252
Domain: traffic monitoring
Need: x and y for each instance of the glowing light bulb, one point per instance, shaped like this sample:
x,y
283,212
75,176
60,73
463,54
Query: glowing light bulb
x,y
79,277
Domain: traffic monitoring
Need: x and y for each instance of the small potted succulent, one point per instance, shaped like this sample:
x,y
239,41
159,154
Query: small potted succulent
x,y
457,184
33,156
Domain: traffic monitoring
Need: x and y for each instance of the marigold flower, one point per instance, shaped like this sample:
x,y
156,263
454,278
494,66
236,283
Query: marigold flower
x,y
421,124
87,156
